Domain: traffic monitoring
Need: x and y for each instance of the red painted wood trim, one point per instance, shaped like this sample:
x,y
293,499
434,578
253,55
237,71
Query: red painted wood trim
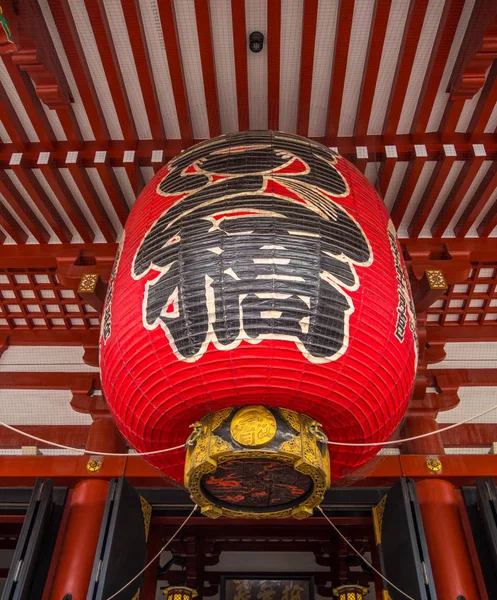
x,y
21,208
168,22
31,102
135,177
208,68
488,223
407,54
108,56
450,119
68,203
70,126
113,190
344,30
477,203
77,61
404,195
11,227
456,195
386,172
68,435
441,48
273,63
485,106
50,381
370,75
11,122
43,202
307,65
430,195
137,37
240,47
91,198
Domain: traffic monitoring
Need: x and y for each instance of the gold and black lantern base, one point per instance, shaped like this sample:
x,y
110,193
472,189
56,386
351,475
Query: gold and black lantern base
x,y
257,462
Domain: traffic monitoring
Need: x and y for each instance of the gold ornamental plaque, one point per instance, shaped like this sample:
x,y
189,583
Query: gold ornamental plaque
x,y
253,426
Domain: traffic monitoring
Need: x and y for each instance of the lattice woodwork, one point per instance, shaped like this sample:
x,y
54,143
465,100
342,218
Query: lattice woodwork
x,y
473,302
34,299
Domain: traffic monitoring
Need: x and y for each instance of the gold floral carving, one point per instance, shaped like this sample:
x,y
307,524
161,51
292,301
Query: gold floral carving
x,y
88,283
292,418
147,515
436,280
378,511
219,417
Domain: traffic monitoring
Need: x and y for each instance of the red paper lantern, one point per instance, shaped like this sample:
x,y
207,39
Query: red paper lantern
x,y
258,268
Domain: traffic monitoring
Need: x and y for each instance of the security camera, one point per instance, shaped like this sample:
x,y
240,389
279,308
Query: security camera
x,y
256,41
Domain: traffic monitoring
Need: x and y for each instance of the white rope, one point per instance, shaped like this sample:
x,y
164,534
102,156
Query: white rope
x,y
415,437
361,556
156,556
94,452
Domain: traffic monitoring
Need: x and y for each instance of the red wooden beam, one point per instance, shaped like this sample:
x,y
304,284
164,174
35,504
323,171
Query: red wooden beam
x,y
387,168
307,65
66,27
478,202
31,102
108,56
113,190
370,75
461,333
407,54
168,22
485,106
52,337
431,193
273,63
137,38
48,256
456,378
411,177
91,198
11,226
21,208
471,435
240,48
42,201
208,68
441,48
49,381
68,203
344,30
450,119
456,195
11,122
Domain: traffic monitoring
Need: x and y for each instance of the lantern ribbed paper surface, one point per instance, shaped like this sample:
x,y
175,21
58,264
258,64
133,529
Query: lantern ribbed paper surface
x,y
258,268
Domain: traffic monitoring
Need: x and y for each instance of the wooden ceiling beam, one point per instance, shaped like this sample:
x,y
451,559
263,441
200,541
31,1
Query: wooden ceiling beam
x,y
172,50
106,49
49,381
12,123
137,38
306,65
343,33
372,67
241,71
449,21
485,106
21,208
478,202
273,63
458,192
68,435
113,189
66,27
11,226
203,17
66,199
432,191
488,223
406,190
407,54
42,201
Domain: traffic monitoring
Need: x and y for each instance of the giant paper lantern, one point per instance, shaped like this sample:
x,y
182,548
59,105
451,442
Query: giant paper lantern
x,y
260,296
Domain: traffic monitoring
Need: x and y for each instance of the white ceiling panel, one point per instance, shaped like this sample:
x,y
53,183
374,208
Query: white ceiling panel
x,y
17,104
417,194
473,401
186,25
356,61
67,359
224,59
324,52
39,407
105,200
292,12
395,183
256,20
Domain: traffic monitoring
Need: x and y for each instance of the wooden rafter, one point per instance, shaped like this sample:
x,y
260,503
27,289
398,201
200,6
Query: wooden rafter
x,y
307,65
478,202
273,63
240,49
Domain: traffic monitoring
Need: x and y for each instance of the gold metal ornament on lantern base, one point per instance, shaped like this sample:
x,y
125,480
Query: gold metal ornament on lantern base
x,y
257,462
350,591
179,592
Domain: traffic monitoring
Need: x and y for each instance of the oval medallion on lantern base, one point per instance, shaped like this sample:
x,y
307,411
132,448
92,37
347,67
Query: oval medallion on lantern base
x,y
257,462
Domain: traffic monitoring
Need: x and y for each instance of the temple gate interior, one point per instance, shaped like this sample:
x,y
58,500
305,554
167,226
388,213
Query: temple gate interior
x,y
248,299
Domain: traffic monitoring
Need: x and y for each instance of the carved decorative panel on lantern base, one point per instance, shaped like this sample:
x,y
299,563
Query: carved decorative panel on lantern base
x,y
257,462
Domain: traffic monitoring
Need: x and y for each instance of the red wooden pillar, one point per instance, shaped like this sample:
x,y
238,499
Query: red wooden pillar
x,y
417,425
450,556
73,558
